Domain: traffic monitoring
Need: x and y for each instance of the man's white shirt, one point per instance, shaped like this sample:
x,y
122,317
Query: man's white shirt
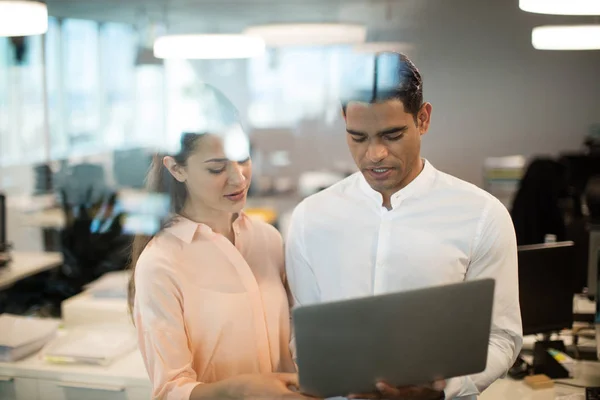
x,y
342,243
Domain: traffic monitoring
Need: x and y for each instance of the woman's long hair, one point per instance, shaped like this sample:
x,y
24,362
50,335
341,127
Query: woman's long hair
x,y
222,112
160,180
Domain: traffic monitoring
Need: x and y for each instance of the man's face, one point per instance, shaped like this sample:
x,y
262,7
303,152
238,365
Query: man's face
x,y
385,142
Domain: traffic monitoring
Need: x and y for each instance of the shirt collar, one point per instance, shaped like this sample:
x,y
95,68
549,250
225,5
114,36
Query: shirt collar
x,y
418,186
185,229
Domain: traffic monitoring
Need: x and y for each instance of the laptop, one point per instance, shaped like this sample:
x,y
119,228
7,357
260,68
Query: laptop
x,y
406,338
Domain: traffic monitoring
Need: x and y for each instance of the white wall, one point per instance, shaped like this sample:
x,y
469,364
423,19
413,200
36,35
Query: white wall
x,y
492,93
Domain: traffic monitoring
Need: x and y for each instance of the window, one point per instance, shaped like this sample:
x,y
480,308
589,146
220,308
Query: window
x,y
81,80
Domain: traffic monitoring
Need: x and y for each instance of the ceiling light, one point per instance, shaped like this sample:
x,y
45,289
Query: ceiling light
x,y
278,35
209,46
567,37
23,18
561,7
380,47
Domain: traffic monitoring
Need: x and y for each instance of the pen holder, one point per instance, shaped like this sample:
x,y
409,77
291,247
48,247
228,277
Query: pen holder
x,y
544,363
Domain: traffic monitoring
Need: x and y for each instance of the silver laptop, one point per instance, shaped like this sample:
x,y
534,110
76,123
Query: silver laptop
x,y
406,338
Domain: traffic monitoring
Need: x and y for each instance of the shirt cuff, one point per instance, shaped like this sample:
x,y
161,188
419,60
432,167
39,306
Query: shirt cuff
x,y
180,392
461,388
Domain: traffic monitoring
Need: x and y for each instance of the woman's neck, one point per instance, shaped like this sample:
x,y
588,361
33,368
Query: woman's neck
x,y
219,221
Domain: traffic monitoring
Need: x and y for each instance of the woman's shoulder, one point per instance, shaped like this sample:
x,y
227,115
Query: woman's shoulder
x,y
159,255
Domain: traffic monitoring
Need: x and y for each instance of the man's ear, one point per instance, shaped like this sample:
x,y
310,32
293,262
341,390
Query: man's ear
x,y
424,118
174,169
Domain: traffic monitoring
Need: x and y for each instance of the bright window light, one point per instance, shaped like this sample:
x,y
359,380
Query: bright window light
x,y
208,46
23,18
561,7
279,35
566,37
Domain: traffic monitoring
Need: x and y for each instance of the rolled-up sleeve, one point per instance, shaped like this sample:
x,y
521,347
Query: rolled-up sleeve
x,y
162,337
495,256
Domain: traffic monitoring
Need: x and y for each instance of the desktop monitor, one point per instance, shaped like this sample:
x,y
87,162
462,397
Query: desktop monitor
x,y
3,240
546,287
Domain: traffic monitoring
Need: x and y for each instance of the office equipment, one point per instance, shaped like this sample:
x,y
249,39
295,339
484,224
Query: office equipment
x,y
22,336
592,199
545,294
103,300
345,346
94,345
34,379
546,298
583,170
592,393
4,247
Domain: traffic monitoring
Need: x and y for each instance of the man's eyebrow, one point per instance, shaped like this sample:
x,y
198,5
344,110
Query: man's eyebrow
x,y
388,131
355,133
395,129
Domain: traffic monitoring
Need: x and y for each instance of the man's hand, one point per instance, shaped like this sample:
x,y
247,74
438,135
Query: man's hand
x,y
388,392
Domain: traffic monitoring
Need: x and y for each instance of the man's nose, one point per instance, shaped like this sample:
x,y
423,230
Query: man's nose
x,y
376,152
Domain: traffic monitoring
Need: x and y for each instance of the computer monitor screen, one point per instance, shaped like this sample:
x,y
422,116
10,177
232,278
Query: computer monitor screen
x,y
2,222
546,287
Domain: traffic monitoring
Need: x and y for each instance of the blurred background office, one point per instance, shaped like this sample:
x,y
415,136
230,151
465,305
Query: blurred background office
x,y
90,90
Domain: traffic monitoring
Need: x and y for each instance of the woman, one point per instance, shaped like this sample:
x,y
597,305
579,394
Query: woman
x,y
208,291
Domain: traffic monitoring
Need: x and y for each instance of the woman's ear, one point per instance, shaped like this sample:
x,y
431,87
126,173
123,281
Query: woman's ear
x,y
174,169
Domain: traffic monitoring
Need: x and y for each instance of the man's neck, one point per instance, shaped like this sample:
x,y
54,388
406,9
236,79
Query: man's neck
x,y
414,173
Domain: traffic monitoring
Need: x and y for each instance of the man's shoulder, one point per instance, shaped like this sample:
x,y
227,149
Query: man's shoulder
x,y
331,194
468,191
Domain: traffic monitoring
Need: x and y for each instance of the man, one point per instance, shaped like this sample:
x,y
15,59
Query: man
x,y
400,224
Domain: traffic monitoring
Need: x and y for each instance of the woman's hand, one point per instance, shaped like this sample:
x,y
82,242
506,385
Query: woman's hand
x,y
261,386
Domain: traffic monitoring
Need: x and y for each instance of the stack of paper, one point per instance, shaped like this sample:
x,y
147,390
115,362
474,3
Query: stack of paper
x,y
23,336
97,346
110,286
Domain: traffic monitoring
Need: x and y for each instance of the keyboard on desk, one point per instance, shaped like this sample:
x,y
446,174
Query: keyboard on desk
x,y
592,393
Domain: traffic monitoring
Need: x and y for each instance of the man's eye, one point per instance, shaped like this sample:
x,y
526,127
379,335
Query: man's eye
x,y
394,138
359,140
216,171
244,161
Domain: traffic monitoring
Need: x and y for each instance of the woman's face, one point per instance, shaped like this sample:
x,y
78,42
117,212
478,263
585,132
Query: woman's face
x,y
214,181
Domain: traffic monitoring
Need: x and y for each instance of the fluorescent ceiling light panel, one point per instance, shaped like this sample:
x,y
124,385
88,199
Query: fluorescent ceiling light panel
x,y
23,18
561,7
208,46
566,37
280,35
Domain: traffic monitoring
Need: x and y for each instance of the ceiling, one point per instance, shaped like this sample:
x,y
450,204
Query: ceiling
x,y
228,16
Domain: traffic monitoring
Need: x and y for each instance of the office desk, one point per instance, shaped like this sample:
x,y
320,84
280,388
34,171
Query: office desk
x,y
24,265
52,218
34,379
587,373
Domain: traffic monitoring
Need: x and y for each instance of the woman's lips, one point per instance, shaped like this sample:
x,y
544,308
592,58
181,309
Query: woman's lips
x,y
237,196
